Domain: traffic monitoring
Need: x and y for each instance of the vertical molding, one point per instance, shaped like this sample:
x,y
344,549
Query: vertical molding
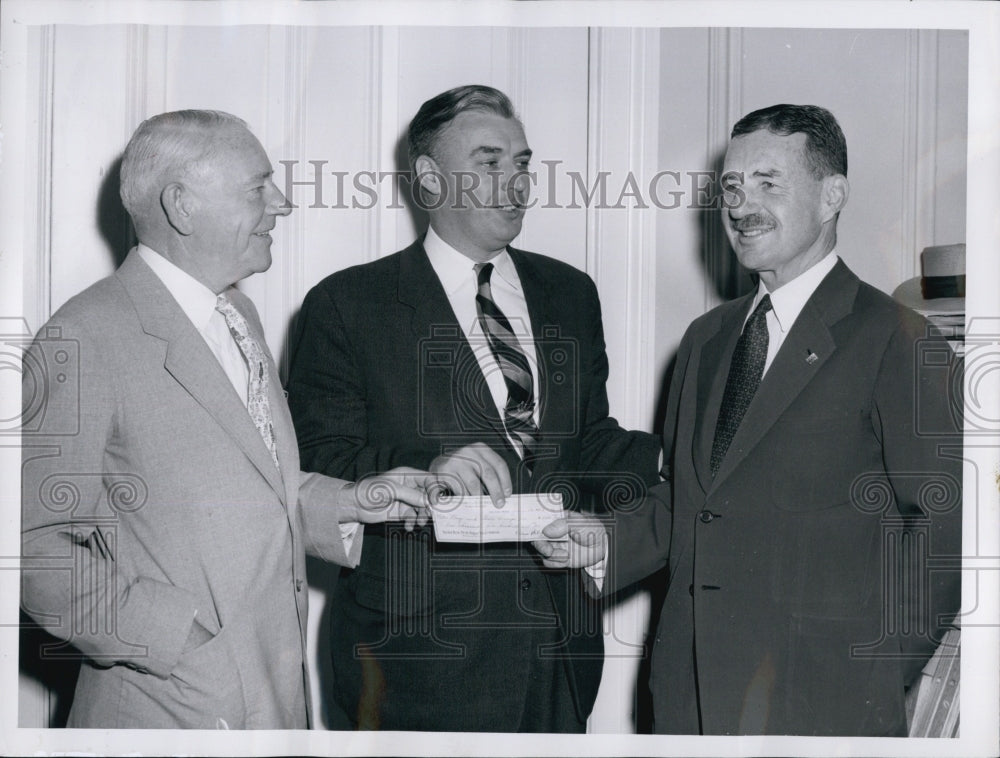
x,y
384,115
919,149
925,144
155,84
42,290
136,76
509,68
594,109
284,125
725,105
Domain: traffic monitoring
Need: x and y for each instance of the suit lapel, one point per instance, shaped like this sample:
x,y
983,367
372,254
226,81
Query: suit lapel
x,y
193,365
713,370
793,367
550,352
463,390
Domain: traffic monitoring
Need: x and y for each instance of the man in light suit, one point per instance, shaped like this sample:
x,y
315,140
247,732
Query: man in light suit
x,y
811,525
485,364
165,520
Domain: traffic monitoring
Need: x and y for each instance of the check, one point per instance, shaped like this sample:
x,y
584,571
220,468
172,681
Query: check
x,y
474,518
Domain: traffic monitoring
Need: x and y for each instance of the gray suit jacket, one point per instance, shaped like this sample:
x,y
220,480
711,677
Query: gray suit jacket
x,y
149,497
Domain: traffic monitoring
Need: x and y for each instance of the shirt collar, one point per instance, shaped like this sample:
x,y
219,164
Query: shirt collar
x,y
453,267
788,300
195,299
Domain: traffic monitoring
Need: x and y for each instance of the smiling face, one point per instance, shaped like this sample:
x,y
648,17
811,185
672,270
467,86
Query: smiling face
x,y
784,218
477,182
234,204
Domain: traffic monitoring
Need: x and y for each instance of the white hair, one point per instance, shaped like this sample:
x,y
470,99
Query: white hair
x,y
168,147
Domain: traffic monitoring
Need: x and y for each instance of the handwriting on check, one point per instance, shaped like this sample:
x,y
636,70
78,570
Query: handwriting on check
x,y
474,518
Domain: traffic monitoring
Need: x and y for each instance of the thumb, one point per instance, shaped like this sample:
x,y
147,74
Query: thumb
x,y
557,529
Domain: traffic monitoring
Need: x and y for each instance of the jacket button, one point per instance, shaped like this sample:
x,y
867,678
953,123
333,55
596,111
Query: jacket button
x,y
691,590
525,584
706,516
298,585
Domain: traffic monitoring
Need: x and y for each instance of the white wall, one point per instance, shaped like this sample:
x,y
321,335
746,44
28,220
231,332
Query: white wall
x,y
595,99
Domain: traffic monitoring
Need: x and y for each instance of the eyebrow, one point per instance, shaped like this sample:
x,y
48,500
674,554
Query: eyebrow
x,y
491,150
261,177
770,173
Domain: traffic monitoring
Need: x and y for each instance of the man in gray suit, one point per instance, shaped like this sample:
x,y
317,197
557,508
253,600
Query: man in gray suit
x,y
165,519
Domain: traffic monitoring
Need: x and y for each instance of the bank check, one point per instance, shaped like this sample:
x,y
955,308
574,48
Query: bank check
x,y
474,518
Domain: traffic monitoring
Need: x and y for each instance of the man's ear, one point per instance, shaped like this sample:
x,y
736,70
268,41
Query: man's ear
x,y
429,178
836,190
178,206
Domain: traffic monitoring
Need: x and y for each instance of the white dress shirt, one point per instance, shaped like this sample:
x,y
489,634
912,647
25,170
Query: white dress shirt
x,y
198,303
458,277
788,301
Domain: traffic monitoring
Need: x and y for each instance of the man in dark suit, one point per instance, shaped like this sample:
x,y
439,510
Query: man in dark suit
x,y
816,469
486,365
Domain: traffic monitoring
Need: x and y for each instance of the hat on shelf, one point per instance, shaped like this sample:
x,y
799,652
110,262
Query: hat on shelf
x,y
941,288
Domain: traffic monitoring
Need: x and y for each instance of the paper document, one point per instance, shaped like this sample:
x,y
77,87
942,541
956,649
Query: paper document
x,y
474,518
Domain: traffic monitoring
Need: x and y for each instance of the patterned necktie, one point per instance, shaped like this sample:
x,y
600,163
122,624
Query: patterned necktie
x,y
257,402
518,413
744,376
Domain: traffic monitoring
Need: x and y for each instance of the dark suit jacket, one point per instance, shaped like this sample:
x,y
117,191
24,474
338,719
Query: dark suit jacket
x,y
800,599
383,376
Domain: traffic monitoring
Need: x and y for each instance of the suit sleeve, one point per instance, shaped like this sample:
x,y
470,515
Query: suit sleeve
x,y
328,399
75,583
605,446
917,416
320,525
639,538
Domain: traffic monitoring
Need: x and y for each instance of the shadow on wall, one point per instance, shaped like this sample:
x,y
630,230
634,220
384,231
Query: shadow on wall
x,y
112,218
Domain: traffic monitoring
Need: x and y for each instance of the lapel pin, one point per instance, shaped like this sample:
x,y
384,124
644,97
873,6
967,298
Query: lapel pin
x,y
811,357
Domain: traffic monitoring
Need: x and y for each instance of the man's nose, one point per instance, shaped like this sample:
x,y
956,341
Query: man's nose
x,y
278,205
738,202
519,185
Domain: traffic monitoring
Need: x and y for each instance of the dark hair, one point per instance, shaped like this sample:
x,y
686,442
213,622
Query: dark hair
x,y
435,114
826,148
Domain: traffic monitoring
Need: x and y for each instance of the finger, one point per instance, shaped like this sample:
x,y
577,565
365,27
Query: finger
x,y
543,547
495,474
557,529
584,537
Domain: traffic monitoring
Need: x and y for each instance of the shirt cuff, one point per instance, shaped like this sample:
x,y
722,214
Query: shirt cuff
x,y
348,533
596,572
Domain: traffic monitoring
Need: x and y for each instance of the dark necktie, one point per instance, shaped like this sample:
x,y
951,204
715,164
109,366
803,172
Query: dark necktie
x,y
258,405
518,413
744,376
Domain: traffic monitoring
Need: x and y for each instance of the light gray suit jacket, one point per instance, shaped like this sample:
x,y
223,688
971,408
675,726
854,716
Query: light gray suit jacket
x,y
149,497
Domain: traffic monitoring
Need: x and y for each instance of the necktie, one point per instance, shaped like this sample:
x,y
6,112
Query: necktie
x,y
744,376
257,402
518,413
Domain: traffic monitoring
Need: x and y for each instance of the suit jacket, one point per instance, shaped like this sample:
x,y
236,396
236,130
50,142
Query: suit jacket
x,y
800,598
382,376
150,497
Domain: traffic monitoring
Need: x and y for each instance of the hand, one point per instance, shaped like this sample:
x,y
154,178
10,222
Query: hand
x,y
399,494
472,470
582,542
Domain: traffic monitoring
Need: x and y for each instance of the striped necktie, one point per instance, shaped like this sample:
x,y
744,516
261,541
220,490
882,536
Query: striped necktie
x,y
745,373
257,403
518,413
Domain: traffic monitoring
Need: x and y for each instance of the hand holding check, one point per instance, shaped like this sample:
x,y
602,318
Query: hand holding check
x,y
399,494
574,541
